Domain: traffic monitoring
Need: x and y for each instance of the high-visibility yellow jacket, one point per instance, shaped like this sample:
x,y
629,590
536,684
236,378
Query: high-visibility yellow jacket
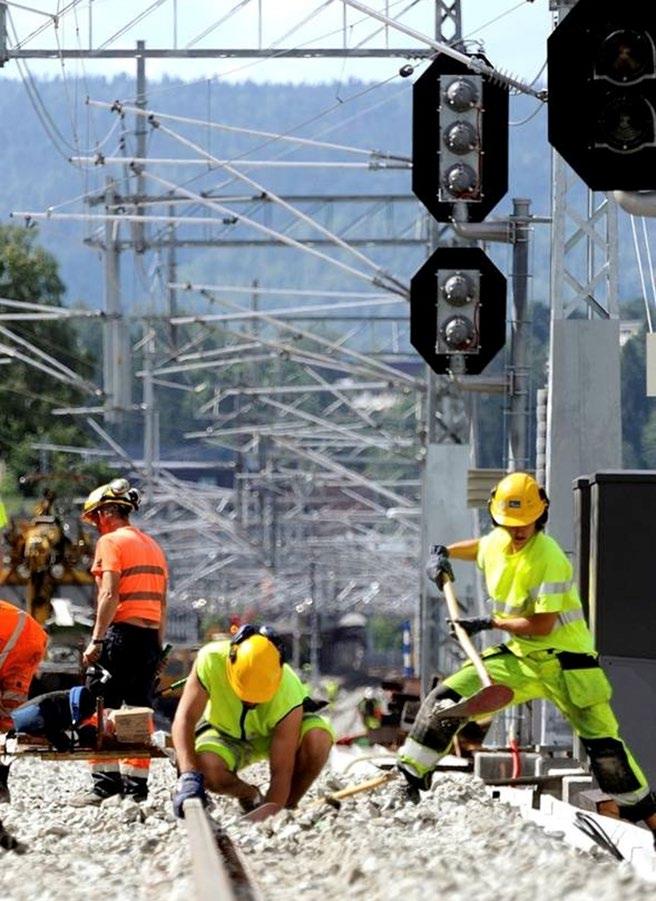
x,y
535,579
227,713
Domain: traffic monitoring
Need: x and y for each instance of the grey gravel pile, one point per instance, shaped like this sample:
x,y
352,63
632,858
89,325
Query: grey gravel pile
x,y
120,850
456,844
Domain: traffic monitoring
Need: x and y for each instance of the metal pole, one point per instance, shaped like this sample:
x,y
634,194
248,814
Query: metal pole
x,y
434,485
519,381
140,133
150,412
315,635
3,35
172,278
111,352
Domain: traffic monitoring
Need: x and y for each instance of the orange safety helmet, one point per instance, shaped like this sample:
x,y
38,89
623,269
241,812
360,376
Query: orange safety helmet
x,y
517,500
254,664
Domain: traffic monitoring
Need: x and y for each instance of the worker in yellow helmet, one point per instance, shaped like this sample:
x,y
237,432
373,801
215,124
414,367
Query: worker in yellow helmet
x,y
549,652
242,703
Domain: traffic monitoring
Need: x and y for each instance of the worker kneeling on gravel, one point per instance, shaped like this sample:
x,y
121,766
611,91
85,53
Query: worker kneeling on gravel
x,y
242,703
550,653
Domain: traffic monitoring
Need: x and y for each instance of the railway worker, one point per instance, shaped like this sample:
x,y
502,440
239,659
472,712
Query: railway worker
x,y
23,645
242,703
549,652
131,577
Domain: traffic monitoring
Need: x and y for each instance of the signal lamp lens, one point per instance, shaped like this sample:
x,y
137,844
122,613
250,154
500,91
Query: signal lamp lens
x,y
461,137
625,56
458,333
461,181
458,289
461,95
625,123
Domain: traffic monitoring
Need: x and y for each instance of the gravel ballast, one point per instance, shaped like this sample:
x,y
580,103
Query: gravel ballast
x,y
457,843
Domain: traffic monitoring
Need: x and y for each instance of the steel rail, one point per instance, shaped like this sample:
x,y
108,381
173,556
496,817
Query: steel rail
x,y
219,870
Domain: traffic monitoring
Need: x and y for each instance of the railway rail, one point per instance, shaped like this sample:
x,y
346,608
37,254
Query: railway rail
x,y
219,869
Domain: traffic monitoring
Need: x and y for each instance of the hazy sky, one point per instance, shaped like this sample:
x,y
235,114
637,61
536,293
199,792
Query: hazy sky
x,y
514,34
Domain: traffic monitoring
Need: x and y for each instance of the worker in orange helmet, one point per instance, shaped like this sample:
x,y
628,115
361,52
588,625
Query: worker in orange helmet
x,y
131,575
242,703
23,645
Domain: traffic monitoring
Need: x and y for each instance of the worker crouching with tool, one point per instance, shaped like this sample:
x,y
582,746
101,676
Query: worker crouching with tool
x,y
550,652
242,703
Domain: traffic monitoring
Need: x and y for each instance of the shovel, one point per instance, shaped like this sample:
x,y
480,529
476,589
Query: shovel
x,y
489,698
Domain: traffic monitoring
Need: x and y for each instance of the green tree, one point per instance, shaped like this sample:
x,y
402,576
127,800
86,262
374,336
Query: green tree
x,y
28,394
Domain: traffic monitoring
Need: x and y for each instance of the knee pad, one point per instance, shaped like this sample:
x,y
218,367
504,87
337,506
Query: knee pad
x,y
610,765
641,810
430,731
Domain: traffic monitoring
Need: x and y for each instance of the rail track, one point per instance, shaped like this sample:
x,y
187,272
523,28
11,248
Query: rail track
x,y
219,870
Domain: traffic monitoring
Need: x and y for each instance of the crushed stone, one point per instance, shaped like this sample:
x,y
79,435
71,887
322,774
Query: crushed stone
x,y
457,843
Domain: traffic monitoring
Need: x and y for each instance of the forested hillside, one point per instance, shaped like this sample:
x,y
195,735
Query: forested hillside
x,y
36,175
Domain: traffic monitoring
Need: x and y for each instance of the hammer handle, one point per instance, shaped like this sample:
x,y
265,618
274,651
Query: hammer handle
x,y
464,639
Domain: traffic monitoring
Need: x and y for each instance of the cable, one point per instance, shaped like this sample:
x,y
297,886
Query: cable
x,y
590,827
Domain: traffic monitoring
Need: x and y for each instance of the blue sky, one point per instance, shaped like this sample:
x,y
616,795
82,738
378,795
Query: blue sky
x,y
514,35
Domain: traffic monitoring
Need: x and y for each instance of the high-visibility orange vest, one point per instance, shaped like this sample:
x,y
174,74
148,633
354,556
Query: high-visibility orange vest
x,y
141,565
22,640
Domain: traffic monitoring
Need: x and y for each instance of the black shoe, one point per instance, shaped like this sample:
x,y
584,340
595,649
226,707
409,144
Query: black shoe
x,y
414,784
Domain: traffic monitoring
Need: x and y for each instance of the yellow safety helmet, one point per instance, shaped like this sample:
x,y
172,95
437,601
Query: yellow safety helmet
x,y
117,492
517,500
254,664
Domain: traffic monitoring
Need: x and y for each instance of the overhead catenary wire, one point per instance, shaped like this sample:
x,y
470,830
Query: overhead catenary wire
x,y
254,132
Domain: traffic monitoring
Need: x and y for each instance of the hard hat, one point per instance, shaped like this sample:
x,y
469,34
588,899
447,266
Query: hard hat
x,y
517,500
254,664
117,492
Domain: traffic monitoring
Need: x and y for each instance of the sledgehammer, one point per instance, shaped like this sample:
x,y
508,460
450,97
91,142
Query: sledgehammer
x,y
489,698
335,799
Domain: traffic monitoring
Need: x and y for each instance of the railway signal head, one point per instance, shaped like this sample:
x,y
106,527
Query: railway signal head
x,y
458,310
602,93
460,141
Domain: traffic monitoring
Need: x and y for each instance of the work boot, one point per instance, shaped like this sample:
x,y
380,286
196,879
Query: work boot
x,y
136,788
412,784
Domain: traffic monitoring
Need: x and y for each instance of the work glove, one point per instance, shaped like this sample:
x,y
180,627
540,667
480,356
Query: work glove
x,y
472,625
439,566
189,785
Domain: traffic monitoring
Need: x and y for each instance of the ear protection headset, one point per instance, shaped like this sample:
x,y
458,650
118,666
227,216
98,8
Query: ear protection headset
x,y
248,630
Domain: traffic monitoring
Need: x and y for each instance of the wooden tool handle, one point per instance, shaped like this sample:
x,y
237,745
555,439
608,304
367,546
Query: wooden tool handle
x,y
367,785
464,639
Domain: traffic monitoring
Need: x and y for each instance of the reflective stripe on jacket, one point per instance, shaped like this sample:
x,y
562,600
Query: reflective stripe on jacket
x,y
536,579
141,565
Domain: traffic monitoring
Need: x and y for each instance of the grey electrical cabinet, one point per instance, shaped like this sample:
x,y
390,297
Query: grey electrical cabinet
x,y
616,549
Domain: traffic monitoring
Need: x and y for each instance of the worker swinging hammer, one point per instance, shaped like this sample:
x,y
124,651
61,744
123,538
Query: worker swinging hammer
x,y
549,652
